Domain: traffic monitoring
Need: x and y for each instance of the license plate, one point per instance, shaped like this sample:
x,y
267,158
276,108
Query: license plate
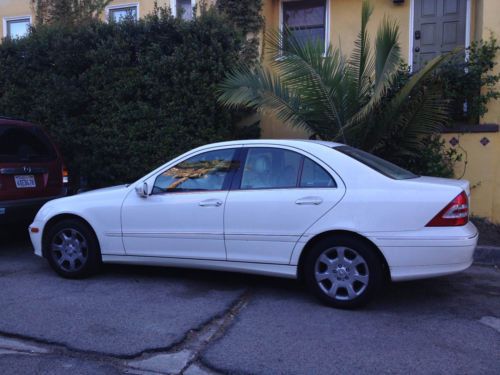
x,y
27,181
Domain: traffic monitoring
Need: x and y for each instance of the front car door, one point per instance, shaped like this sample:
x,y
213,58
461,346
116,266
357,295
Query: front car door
x,y
277,195
183,216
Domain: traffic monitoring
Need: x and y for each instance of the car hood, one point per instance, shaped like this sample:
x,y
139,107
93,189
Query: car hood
x,y
101,190
79,202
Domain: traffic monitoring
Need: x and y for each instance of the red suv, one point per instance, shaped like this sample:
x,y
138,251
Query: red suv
x,y
31,170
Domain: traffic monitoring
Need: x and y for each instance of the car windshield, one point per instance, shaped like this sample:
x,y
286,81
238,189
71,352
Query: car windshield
x,y
24,144
374,162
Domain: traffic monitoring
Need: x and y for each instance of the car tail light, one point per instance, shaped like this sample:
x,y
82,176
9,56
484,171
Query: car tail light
x,y
455,214
65,175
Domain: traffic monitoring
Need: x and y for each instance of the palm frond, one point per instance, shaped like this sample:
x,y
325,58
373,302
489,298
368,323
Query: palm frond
x,y
361,61
305,67
418,79
425,114
262,91
387,60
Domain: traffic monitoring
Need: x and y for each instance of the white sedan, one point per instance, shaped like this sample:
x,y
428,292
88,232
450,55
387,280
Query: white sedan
x,y
337,217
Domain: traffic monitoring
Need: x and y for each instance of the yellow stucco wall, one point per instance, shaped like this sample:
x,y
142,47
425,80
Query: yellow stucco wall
x,y
481,167
491,24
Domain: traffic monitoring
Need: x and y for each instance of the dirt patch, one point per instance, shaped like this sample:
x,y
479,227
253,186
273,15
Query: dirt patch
x,y
489,233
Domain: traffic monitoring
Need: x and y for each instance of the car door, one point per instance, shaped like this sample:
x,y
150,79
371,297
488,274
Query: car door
x,y
183,216
278,194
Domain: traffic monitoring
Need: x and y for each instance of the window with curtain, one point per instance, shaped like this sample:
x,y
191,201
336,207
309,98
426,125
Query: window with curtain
x,y
118,14
305,19
184,9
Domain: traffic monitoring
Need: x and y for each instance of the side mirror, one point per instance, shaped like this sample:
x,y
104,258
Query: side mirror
x,y
142,189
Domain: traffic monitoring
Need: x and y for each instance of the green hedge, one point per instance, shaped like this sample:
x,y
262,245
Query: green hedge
x,y
120,99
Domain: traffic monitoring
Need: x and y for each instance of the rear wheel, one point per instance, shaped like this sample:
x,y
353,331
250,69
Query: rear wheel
x,y
343,271
72,249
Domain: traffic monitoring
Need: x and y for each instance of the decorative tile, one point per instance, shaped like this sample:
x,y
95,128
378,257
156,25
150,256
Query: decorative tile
x,y
454,141
484,141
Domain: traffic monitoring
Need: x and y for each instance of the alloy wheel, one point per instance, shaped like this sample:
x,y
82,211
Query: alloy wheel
x,y
69,250
341,273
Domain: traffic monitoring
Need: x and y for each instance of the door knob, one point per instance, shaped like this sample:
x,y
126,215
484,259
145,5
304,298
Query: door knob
x,y
417,49
309,201
211,203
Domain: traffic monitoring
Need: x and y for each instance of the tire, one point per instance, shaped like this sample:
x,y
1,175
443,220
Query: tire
x,y
343,271
72,249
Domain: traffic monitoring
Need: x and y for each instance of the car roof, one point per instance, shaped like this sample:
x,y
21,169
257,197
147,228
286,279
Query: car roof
x,y
15,121
282,142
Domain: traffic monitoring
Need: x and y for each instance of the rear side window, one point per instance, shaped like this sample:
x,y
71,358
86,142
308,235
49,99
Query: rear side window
x,y
315,176
20,144
374,162
270,168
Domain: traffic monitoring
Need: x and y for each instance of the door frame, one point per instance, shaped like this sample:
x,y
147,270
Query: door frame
x,y
411,28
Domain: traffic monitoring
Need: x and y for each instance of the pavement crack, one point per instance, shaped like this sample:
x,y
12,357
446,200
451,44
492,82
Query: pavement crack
x,y
218,327
178,358
183,357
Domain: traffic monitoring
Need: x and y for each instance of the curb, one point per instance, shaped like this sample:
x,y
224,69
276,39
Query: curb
x,y
487,255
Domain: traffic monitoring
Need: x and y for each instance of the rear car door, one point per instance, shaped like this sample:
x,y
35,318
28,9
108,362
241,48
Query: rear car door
x,y
277,195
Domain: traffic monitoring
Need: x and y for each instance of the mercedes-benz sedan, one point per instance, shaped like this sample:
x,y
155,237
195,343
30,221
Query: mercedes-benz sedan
x,y
337,217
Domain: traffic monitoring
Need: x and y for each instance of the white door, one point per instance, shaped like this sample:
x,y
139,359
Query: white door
x,y
279,194
183,217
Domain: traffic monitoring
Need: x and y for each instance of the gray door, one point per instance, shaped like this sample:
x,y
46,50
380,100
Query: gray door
x,y
439,28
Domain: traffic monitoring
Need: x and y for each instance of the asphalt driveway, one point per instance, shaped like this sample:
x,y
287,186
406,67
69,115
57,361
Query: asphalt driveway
x,y
157,320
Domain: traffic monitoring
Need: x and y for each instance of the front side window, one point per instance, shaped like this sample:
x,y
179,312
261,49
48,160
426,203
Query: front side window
x,y
119,14
305,19
207,171
184,9
17,28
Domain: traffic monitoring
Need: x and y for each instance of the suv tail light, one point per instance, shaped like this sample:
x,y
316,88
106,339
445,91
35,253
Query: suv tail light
x,y
455,214
65,175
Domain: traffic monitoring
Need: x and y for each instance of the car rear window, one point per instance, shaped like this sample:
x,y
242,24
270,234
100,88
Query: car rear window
x,y
374,162
24,144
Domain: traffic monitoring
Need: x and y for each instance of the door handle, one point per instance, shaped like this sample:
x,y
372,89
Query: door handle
x,y
211,203
309,200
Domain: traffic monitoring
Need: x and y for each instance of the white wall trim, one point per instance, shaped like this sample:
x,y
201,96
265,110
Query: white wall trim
x,y
14,18
327,20
411,33
173,6
120,6
468,22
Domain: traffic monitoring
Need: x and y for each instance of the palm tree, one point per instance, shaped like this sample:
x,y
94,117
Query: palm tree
x,y
367,100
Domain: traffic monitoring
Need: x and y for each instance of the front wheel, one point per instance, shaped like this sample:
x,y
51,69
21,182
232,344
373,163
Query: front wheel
x,y
72,249
343,271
